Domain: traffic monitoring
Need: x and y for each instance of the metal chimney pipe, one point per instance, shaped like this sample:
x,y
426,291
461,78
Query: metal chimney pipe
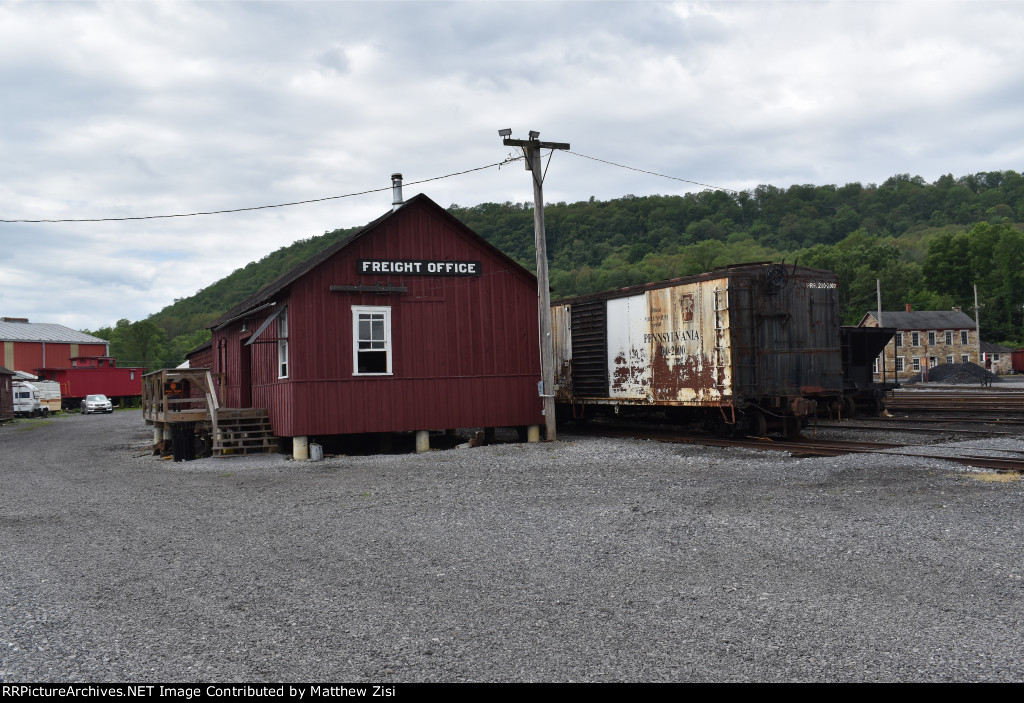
x,y
396,191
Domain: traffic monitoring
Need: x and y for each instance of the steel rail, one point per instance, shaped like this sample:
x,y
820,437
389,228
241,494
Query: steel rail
x,y
807,447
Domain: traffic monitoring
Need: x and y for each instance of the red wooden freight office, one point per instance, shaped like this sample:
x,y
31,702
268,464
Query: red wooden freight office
x,y
414,323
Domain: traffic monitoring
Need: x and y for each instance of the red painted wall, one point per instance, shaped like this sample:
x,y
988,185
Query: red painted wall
x,y
28,356
465,349
80,382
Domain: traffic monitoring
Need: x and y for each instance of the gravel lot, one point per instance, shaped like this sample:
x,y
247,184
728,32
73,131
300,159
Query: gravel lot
x,y
581,560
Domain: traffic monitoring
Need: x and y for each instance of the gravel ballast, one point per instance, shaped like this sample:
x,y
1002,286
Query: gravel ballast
x,y
580,560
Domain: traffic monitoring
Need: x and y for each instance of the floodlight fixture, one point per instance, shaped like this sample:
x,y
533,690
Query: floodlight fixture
x,y
534,135
504,132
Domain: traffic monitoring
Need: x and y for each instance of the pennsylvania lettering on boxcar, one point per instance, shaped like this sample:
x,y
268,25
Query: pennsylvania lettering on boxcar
x,y
668,337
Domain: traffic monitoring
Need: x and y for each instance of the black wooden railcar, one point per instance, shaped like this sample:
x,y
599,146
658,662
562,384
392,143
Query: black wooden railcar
x,y
861,347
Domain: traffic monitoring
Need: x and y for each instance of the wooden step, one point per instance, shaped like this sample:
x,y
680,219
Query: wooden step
x,y
244,431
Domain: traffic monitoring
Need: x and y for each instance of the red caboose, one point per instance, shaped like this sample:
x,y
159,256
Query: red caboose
x,y
95,374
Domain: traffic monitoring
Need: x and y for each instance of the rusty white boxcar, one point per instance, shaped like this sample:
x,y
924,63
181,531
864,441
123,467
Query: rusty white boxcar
x,y
746,348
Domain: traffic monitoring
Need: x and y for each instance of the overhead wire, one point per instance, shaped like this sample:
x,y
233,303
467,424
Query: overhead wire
x,y
651,173
267,207
499,164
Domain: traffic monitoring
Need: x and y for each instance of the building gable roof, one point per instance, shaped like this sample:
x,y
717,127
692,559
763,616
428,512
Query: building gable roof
x,y
266,294
44,332
924,320
991,348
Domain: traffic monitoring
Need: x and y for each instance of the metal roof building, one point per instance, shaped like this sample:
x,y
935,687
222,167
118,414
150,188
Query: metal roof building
x,y
33,345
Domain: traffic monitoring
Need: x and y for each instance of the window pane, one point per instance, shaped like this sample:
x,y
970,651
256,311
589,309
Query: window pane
x,y
373,362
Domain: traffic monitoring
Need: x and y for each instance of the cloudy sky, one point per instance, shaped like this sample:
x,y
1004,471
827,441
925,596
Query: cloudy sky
x,y
134,109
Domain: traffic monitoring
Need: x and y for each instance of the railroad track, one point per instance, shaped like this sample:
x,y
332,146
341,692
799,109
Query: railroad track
x,y
1006,461
948,426
956,401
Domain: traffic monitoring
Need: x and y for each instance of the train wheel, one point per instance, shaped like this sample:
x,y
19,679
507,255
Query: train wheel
x,y
792,427
849,407
757,425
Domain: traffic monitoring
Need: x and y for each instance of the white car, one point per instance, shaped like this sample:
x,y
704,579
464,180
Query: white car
x,y
98,403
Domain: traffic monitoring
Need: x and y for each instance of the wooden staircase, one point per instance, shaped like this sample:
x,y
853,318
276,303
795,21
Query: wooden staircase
x,y
243,431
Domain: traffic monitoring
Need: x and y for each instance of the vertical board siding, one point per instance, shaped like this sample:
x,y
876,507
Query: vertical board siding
x,y
464,349
29,356
6,396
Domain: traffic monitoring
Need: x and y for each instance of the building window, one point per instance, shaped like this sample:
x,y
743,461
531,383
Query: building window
x,y
915,339
133,374
931,339
963,337
995,357
964,358
282,344
932,362
371,340
915,363
874,365
899,363
949,359
949,337
899,339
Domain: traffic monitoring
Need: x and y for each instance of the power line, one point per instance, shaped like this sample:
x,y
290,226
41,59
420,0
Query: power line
x,y
267,207
651,173
510,159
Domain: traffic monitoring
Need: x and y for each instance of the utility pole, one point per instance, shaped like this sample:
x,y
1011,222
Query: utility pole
x,y
977,327
531,150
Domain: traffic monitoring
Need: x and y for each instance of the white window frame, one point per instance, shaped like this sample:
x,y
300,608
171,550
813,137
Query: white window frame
x,y
965,358
385,344
900,366
931,338
899,339
965,337
915,363
995,357
874,365
915,339
949,337
282,344
949,359
933,361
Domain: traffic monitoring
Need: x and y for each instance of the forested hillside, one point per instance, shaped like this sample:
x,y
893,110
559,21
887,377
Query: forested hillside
x,y
929,243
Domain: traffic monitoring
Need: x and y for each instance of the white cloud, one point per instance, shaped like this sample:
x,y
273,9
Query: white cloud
x,y
132,109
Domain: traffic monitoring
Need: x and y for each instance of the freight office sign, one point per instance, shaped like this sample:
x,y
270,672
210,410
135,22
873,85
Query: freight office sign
x,y
418,267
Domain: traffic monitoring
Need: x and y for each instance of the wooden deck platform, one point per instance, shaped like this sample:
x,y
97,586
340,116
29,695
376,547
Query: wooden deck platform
x,y
171,396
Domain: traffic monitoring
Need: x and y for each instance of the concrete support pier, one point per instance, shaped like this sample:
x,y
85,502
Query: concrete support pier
x,y
422,441
300,448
